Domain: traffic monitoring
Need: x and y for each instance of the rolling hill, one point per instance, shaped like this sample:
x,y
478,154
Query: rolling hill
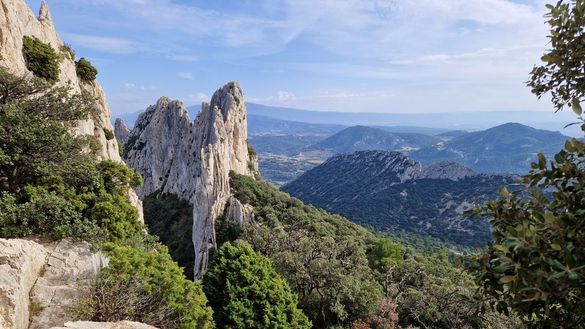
x,y
508,148
361,138
393,193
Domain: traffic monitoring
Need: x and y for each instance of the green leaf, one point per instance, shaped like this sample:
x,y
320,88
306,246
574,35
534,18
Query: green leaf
x,y
576,106
504,192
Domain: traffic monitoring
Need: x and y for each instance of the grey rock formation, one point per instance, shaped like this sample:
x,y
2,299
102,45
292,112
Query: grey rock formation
x,y
21,262
447,170
238,213
17,21
193,159
121,131
50,276
69,270
160,147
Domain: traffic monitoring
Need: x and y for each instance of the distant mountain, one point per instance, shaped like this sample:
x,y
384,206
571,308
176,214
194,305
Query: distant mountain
x,y
471,120
261,125
452,134
360,138
393,193
288,145
510,147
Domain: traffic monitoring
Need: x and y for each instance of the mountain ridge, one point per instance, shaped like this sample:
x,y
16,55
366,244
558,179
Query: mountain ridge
x,y
394,193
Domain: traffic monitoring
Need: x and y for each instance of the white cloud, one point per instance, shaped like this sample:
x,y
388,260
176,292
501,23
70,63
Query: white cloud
x,y
284,96
118,46
417,54
186,75
182,58
129,86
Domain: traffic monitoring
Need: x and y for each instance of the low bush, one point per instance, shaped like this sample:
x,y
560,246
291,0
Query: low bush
x,y
85,70
153,288
41,58
109,134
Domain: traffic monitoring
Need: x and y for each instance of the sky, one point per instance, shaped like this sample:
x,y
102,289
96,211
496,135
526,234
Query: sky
x,y
394,56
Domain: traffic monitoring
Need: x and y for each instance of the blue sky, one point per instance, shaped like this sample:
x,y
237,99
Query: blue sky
x,y
331,55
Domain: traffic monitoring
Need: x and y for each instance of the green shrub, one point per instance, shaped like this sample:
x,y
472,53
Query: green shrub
x,y
145,285
120,149
90,204
109,134
85,70
41,59
67,50
245,291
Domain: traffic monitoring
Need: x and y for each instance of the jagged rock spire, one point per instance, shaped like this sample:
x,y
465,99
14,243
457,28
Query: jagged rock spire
x,y
193,159
121,131
45,13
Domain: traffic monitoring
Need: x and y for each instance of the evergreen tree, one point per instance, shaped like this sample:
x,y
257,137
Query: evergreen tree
x,y
245,291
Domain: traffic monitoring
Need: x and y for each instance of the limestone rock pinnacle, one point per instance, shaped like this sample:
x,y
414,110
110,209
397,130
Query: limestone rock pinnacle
x,y
193,159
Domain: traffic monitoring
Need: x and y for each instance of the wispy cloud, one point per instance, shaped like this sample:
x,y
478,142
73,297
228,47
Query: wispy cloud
x,y
182,58
186,75
129,86
105,44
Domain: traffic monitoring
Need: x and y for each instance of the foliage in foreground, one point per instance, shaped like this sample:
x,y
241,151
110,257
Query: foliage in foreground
x,y
146,285
245,291
48,185
537,262
536,265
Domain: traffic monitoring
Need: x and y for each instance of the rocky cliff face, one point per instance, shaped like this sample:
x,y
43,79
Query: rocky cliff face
x,y
447,170
193,159
50,276
17,21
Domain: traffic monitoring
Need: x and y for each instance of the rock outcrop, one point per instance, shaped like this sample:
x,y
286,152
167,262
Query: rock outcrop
x,y
121,131
193,159
447,170
40,283
160,147
18,21
70,268
21,262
